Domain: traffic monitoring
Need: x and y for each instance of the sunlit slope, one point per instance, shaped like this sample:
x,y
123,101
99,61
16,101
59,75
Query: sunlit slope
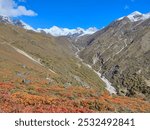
x,y
27,56
37,98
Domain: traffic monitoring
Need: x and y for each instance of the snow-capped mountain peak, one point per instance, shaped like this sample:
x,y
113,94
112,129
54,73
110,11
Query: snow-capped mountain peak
x,y
136,16
91,30
135,13
57,31
5,19
16,22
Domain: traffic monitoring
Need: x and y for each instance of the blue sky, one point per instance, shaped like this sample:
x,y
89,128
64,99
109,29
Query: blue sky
x,y
78,13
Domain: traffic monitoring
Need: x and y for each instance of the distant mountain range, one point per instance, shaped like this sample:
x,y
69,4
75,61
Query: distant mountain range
x,y
55,31
58,31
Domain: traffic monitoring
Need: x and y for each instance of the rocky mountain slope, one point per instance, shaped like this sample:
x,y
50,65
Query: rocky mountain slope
x,y
19,48
121,52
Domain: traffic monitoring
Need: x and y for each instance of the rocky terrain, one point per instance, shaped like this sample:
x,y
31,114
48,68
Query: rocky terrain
x,y
121,53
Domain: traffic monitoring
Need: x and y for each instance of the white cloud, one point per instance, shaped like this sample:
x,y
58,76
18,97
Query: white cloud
x,y
10,8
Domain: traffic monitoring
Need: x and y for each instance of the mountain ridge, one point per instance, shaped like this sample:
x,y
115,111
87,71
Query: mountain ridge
x,y
57,31
54,30
136,16
78,32
120,52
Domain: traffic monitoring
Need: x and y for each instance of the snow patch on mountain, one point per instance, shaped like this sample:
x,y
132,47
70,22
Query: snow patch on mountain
x,y
136,16
16,22
22,24
5,19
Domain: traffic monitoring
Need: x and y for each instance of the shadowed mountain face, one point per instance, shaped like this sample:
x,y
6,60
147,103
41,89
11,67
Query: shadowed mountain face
x,y
121,52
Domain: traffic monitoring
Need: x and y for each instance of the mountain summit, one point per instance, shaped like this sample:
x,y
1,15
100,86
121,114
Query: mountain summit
x,y
16,22
121,53
58,31
136,16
